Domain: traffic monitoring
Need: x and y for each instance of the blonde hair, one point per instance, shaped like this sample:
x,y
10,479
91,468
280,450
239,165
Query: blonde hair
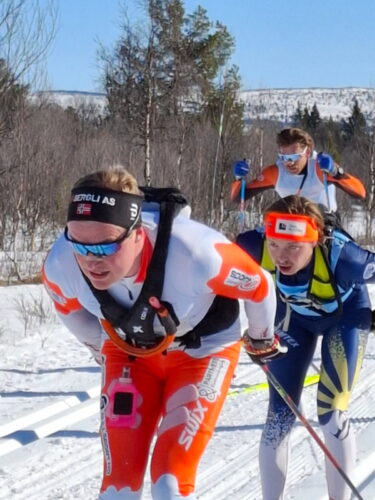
x,y
116,178
294,204
294,135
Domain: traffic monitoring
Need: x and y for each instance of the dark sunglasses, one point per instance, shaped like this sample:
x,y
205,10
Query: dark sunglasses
x,y
105,249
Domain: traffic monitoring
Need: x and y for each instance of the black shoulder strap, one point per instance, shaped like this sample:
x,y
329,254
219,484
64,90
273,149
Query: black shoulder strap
x,y
221,315
161,195
332,222
137,321
153,285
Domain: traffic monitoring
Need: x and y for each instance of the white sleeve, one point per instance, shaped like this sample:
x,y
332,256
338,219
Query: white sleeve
x,y
261,315
86,328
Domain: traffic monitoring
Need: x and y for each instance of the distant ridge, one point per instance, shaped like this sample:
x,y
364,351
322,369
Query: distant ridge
x,y
308,88
268,104
72,98
281,104
69,92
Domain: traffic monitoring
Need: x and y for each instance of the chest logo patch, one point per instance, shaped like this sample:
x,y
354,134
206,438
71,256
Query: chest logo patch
x,y
242,280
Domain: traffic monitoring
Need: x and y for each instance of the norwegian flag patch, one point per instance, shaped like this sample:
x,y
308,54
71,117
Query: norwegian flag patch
x,y
83,209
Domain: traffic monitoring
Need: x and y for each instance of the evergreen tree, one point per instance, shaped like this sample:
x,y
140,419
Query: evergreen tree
x,y
297,118
330,138
355,127
226,113
223,105
305,118
314,119
152,79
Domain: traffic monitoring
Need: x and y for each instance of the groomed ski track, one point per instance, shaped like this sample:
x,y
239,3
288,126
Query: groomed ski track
x,y
29,471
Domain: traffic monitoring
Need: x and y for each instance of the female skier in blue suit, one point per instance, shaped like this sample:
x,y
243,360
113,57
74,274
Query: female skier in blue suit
x,y
321,291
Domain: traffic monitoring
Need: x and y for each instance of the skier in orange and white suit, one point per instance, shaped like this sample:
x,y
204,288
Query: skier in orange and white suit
x,y
177,392
299,170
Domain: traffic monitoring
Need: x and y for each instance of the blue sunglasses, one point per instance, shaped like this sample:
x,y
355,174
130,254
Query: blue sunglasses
x,y
292,157
105,249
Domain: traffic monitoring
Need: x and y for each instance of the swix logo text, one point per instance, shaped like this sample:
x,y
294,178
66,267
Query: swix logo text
x,y
196,416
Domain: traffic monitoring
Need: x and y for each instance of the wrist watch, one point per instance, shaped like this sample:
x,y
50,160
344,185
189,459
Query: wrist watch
x,y
339,171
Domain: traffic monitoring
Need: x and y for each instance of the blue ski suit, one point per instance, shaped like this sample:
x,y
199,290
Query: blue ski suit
x,y
300,323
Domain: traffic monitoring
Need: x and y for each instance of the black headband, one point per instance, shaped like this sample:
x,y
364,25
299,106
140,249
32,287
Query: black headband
x,y
105,205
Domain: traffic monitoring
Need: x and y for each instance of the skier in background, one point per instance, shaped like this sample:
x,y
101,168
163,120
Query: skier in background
x,y
299,170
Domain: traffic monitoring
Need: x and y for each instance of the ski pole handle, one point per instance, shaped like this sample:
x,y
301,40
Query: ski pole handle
x,y
164,316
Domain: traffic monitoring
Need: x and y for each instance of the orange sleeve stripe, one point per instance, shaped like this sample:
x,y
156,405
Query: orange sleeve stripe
x,y
240,277
350,185
63,305
267,178
347,183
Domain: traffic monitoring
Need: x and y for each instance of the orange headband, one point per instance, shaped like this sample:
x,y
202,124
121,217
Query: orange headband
x,y
293,227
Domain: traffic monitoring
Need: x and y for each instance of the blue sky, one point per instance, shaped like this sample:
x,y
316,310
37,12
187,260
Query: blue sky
x,y
279,44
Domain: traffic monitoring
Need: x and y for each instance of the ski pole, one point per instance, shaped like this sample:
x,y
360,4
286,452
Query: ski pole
x,y
326,190
288,400
245,166
242,205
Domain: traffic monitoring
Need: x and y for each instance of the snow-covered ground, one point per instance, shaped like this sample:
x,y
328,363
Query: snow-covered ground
x,y
49,444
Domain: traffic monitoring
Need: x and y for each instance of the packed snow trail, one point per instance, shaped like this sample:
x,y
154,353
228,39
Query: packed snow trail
x,y
67,465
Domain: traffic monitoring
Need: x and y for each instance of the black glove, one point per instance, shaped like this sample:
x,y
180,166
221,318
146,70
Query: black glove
x,y
263,350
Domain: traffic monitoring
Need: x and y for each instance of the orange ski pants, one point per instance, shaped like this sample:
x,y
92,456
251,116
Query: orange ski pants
x,y
179,398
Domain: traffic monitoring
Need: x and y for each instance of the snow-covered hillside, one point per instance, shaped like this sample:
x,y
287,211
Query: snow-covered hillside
x,y
281,104
274,104
72,99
